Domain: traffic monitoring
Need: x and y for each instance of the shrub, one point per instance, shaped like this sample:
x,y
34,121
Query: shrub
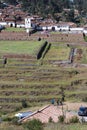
x,y
33,125
14,120
74,72
74,119
24,104
61,118
50,120
6,119
84,99
33,31
18,108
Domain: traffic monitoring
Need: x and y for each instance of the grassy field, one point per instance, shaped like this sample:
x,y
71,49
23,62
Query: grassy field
x,y
54,32
84,58
65,127
13,29
81,54
49,126
58,51
20,47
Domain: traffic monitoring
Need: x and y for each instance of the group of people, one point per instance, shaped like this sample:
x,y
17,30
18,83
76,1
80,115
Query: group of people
x,y
58,102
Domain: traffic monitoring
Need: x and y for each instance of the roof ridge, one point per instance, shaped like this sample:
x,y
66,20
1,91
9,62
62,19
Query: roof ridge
x,y
34,113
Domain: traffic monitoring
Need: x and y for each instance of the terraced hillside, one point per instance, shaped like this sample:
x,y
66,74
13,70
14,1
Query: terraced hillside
x,y
38,81
51,37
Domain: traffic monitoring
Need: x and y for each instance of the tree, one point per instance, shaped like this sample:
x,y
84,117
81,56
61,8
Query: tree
x,y
52,7
14,2
62,94
15,21
33,125
43,6
71,15
81,5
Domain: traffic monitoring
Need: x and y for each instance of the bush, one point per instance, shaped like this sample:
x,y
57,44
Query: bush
x,y
33,125
50,120
61,119
6,119
74,119
18,108
84,99
14,120
24,104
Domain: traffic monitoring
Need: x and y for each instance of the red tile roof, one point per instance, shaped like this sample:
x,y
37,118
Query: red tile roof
x,y
45,113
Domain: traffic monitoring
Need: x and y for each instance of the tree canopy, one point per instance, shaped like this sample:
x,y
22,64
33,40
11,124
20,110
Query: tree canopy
x,y
52,7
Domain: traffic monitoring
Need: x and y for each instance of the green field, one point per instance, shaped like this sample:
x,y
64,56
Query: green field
x,y
13,29
49,126
20,47
84,58
58,51
59,126
81,54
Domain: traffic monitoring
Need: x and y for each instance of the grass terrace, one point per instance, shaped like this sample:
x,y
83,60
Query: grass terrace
x,y
55,32
58,51
13,29
81,55
20,47
84,58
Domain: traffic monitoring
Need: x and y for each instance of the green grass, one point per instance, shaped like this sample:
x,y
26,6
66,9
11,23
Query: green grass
x,y
13,29
58,52
55,32
81,58
49,126
59,126
20,47
84,58
85,38
7,126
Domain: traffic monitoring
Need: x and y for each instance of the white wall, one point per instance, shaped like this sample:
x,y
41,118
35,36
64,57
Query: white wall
x,y
85,31
11,23
21,25
66,28
3,23
76,29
